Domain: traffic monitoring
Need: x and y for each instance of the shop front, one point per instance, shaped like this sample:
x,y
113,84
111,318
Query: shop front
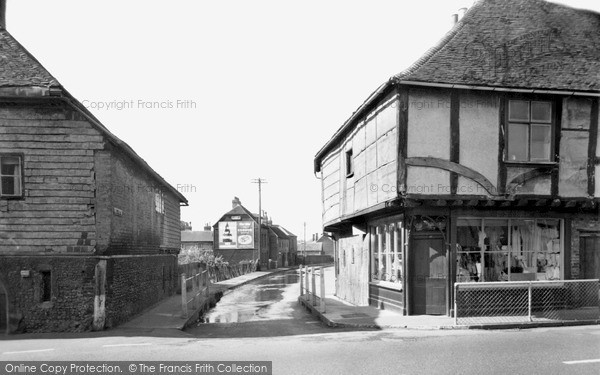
x,y
415,258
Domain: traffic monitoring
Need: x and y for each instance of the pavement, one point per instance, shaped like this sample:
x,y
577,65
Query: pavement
x,y
339,313
167,314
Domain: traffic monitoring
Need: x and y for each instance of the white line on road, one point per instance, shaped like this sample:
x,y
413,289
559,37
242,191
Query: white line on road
x,y
582,361
30,351
116,345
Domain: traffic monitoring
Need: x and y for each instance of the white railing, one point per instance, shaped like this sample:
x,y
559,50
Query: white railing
x,y
200,287
308,290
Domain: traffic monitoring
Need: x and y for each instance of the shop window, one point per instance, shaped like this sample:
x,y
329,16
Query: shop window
x,y
508,250
529,131
349,164
11,177
386,255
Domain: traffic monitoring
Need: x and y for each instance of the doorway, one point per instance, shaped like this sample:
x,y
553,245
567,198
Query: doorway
x,y
590,257
429,276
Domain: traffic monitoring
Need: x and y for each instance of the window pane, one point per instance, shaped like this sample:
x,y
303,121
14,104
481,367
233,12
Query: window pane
x,y
518,142
540,142
470,240
518,110
9,186
495,237
541,112
10,166
536,250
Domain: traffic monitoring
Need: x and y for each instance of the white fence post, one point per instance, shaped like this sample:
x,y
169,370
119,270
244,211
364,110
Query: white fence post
x,y
322,289
306,284
206,283
184,309
314,286
301,282
195,290
529,299
455,309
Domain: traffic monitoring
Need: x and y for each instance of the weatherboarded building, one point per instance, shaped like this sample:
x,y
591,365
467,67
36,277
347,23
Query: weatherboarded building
x,y
478,163
89,233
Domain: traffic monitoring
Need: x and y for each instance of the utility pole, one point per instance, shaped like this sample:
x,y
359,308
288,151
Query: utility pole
x,y
259,181
305,239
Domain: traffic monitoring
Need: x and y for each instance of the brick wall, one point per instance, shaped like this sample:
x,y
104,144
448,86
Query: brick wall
x,y
71,306
135,283
581,223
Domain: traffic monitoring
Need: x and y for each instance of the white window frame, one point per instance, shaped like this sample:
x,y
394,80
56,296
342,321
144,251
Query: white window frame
x,y
530,123
393,233
18,176
159,202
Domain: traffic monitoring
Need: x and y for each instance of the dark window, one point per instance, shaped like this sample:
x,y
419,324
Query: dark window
x,y
529,131
10,176
46,286
349,164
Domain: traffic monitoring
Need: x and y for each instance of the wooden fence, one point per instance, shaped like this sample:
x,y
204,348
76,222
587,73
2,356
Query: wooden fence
x,y
308,285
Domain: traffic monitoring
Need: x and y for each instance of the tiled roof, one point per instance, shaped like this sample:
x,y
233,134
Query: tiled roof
x,y
281,234
311,246
287,232
516,44
507,45
197,236
18,67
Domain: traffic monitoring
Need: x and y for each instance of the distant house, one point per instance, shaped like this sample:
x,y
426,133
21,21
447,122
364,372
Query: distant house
x,y
202,240
293,245
89,232
282,243
328,244
235,236
311,248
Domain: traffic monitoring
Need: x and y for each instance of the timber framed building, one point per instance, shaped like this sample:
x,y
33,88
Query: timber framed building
x,y
480,162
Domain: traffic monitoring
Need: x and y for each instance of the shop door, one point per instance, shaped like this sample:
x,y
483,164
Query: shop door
x,y
590,262
429,276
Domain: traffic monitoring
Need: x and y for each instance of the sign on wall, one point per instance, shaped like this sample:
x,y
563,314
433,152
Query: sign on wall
x,y
245,231
236,235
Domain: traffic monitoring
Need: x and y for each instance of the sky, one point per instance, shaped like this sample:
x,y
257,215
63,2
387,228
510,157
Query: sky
x,y
214,94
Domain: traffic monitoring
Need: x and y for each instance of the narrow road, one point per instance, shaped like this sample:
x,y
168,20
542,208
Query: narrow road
x,y
264,308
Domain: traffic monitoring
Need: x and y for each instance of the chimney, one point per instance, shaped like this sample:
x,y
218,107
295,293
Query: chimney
x,y
235,202
207,227
453,19
3,14
461,13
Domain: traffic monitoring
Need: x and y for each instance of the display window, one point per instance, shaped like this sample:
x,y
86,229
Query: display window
x,y
386,254
491,249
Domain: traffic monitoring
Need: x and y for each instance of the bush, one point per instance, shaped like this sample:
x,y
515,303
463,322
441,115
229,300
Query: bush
x,y
197,255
